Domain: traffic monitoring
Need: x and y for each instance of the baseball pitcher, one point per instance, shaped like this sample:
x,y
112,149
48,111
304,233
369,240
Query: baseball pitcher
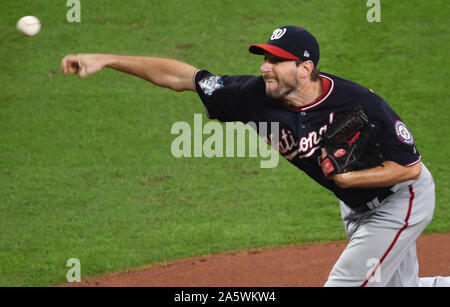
x,y
341,134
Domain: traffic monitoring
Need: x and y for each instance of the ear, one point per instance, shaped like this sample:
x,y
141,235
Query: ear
x,y
305,69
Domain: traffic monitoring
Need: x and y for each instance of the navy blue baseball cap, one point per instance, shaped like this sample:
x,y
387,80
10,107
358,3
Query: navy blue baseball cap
x,y
290,43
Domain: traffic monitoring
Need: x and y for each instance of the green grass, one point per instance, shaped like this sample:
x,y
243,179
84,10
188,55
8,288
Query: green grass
x,y
86,169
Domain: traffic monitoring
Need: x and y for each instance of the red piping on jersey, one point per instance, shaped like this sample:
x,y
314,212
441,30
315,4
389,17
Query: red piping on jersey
x,y
193,79
415,162
328,86
408,214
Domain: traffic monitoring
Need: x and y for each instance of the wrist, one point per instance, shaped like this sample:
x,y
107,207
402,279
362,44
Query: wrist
x,y
108,60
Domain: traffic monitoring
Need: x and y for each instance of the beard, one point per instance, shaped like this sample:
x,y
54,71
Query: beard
x,y
280,90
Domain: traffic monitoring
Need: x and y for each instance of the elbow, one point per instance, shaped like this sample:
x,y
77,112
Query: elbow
x,y
179,87
176,85
180,84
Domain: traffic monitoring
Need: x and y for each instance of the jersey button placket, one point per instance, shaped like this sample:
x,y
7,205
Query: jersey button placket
x,y
302,119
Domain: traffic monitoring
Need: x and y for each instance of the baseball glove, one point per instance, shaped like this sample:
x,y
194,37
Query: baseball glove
x,y
350,144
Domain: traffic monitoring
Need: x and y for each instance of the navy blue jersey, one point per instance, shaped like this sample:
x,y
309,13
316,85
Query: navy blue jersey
x,y
243,98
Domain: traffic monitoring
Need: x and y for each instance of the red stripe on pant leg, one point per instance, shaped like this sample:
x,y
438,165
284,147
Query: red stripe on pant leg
x,y
411,199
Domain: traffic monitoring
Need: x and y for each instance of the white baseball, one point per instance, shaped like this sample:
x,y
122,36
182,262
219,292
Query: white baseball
x,y
29,25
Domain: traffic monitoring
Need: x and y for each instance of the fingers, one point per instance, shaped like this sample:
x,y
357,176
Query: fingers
x,y
82,73
65,63
82,65
70,64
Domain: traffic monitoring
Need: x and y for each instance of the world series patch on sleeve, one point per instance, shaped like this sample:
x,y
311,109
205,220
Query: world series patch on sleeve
x,y
350,144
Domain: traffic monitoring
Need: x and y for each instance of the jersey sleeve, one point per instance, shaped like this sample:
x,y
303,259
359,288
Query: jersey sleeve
x,y
226,98
394,137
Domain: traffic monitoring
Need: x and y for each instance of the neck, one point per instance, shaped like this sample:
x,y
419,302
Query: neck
x,y
306,92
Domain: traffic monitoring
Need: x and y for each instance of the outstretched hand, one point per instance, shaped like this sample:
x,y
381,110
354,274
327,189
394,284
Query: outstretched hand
x,y
82,65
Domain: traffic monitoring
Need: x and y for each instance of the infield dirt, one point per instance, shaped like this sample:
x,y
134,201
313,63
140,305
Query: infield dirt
x,y
293,266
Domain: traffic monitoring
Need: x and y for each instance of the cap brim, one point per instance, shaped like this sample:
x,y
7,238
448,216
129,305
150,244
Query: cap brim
x,y
277,51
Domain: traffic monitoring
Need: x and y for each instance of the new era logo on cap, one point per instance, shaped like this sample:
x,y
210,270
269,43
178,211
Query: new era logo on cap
x,y
291,43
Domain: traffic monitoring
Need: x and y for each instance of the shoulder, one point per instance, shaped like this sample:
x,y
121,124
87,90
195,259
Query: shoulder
x,y
208,83
347,87
352,92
